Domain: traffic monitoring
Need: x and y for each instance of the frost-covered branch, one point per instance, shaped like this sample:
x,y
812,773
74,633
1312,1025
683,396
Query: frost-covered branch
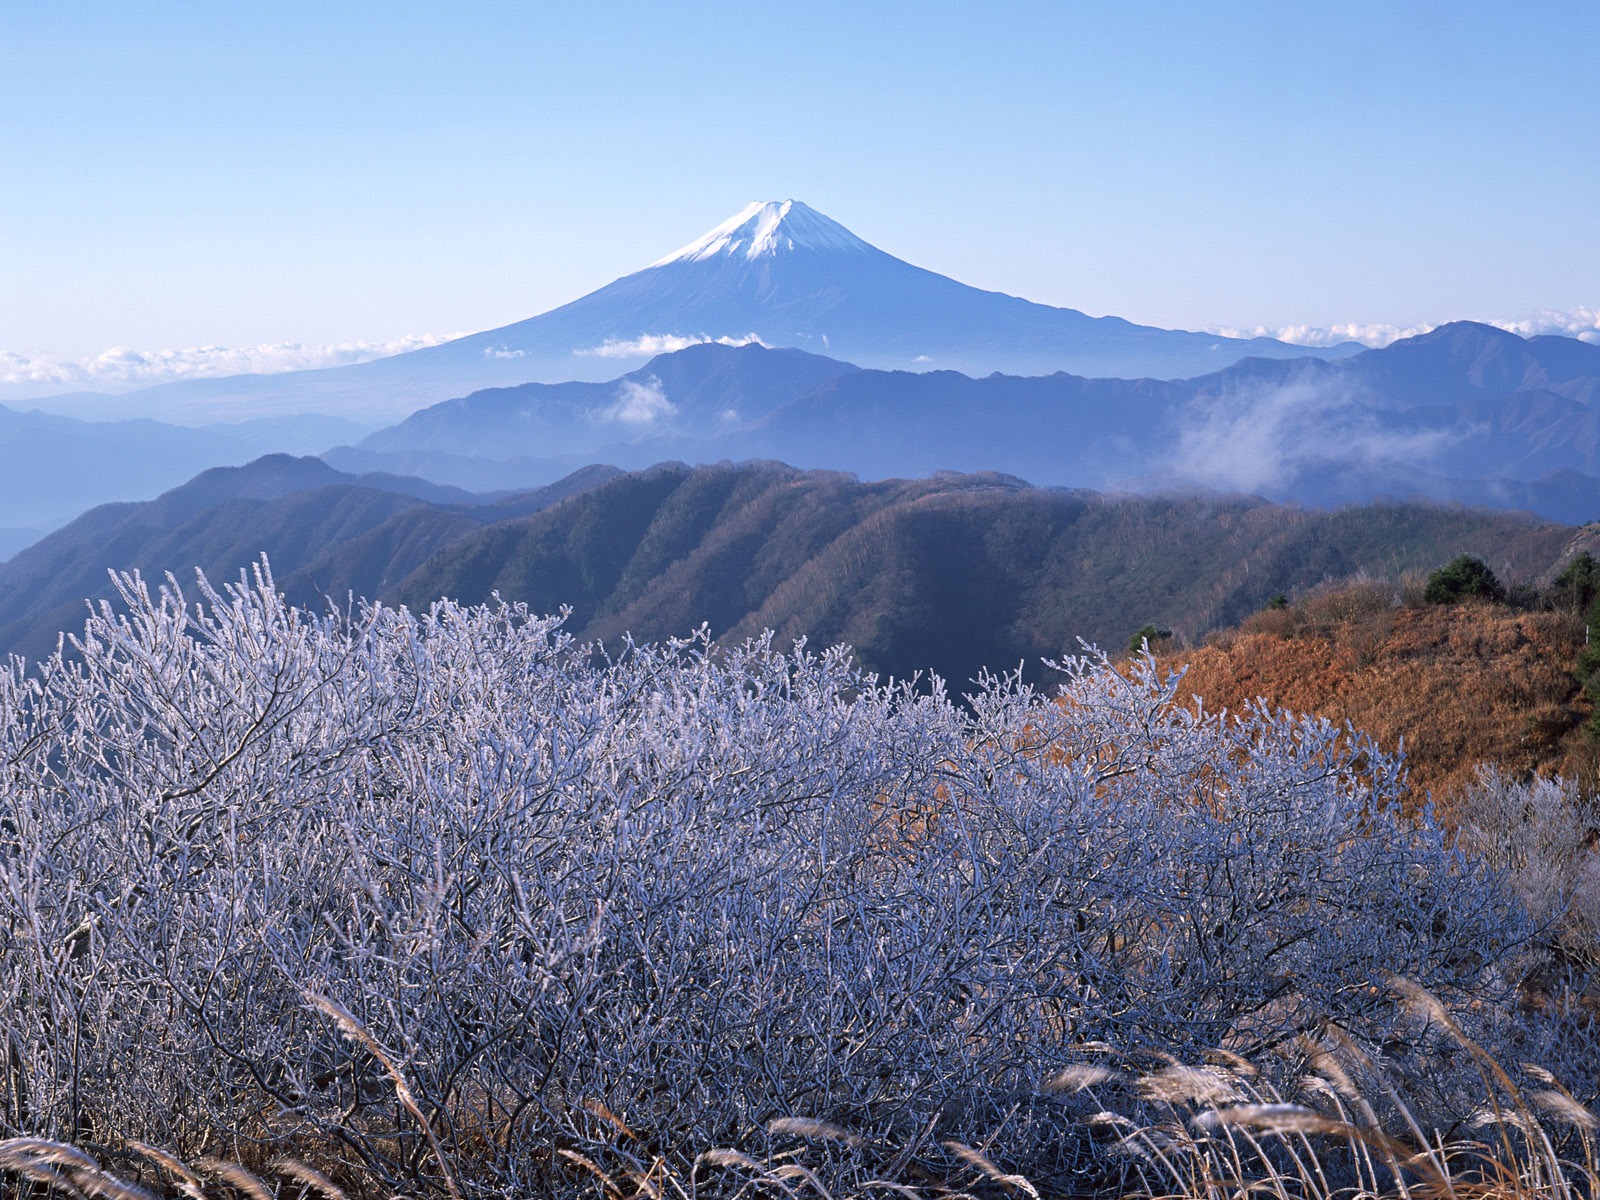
x,y
696,889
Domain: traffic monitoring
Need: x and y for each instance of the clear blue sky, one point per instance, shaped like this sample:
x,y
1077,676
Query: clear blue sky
x,y
177,174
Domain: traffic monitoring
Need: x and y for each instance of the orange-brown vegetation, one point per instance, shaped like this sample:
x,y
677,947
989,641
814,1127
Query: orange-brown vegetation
x,y
1460,685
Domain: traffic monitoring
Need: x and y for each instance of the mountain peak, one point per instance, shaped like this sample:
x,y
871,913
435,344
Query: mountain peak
x,y
1454,331
768,230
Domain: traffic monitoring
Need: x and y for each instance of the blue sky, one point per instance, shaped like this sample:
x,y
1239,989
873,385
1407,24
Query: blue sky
x,y
185,175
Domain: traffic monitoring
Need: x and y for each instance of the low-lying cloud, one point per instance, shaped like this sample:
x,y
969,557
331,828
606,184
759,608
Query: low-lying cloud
x,y
661,343
1367,333
1265,440
638,404
122,368
1580,323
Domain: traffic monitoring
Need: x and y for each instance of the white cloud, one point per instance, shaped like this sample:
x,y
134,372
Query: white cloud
x,y
1372,333
122,368
639,404
661,343
1258,440
502,352
1581,323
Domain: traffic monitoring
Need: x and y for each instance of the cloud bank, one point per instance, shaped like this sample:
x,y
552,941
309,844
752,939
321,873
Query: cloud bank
x,y
122,369
661,343
1580,323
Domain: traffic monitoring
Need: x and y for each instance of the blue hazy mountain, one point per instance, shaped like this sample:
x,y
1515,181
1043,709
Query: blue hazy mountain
x,y
1465,413
784,273
52,467
705,391
779,273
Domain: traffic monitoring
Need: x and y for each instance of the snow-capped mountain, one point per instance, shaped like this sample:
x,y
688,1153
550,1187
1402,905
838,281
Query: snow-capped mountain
x,y
770,230
779,273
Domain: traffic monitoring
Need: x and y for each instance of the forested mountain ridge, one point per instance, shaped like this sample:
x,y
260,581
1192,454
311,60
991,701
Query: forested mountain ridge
x,y
1466,413
325,531
954,573
957,573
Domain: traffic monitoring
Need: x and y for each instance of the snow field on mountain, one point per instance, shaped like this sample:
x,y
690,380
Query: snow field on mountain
x,y
765,230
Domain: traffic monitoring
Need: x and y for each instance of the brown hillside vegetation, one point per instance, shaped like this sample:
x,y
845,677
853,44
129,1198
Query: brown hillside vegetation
x,y
1461,685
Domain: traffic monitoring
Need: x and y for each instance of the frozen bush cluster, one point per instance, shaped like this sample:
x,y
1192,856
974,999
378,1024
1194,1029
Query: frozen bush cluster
x,y
680,889
1544,834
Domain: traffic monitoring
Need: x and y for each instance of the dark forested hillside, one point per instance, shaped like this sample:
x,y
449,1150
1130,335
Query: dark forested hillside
x,y
325,532
953,573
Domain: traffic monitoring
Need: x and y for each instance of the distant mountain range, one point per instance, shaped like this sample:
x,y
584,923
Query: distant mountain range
x,y
955,572
779,273
1466,413
786,337
52,468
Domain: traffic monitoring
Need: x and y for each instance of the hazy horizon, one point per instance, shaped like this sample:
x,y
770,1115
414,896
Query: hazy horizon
x,y
207,193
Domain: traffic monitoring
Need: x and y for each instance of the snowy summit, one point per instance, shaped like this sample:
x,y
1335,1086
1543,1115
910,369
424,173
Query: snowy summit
x,y
766,231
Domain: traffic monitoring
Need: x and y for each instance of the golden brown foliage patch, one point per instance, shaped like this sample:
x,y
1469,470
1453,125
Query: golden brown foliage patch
x,y
1460,685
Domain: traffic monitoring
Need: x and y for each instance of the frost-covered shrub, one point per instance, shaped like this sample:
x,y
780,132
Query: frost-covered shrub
x,y
684,890
1544,834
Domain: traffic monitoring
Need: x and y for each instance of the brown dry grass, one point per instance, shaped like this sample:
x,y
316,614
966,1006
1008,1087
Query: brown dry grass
x,y
1460,685
1216,1130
